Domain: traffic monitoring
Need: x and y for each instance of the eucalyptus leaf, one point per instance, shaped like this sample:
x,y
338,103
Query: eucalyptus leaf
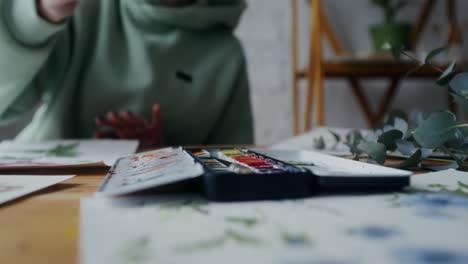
x,y
337,138
414,70
434,54
376,151
459,158
393,115
456,140
459,84
401,125
447,75
434,131
464,131
462,102
426,152
413,161
319,143
386,128
405,147
389,139
353,138
408,148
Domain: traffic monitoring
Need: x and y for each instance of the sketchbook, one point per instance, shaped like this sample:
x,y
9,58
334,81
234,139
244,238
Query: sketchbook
x,y
63,153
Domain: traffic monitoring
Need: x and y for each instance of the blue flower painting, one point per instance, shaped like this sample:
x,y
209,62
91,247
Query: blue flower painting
x,y
437,200
434,204
429,256
296,240
319,261
375,232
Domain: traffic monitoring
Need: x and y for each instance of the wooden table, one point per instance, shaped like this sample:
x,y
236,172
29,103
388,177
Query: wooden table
x,y
44,227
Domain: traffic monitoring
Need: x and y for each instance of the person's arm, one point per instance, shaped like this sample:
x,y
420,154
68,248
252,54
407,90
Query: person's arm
x,y
236,123
26,41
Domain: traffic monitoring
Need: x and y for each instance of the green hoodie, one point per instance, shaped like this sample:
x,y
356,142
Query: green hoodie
x,y
125,55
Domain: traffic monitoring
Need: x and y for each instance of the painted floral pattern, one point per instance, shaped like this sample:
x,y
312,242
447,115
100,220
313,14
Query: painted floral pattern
x,y
426,223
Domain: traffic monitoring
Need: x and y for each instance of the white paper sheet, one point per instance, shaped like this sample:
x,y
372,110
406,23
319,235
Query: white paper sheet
x,y
425,224
15,186
64,153
306,141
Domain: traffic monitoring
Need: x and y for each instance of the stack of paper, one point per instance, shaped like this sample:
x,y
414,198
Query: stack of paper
x,y
63,153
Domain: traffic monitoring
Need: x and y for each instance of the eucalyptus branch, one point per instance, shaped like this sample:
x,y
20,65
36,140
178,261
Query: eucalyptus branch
x,y
436,132
421,63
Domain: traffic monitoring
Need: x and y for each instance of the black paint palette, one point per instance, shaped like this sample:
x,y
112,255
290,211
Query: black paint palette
x,y
232,174
241,174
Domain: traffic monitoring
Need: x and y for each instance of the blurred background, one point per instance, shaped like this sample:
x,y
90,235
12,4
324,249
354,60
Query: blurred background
x,y
265,34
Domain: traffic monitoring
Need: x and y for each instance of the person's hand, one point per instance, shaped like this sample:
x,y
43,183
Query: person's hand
x,y
127,125
56,11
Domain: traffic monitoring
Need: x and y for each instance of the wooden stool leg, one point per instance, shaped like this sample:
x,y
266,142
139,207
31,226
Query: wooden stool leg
x,y
318,89
421,23
362,101
455,35
386,101
314,37
315,60
295,79
330,35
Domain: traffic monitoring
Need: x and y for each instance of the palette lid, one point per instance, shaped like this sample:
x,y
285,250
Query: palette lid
x,y
148,170
333,171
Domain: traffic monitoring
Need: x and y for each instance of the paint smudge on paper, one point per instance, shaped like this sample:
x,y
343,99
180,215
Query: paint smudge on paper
x,y
8,188
296,239
374,232
429,256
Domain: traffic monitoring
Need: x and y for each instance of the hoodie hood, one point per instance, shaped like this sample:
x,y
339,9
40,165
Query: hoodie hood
x,y
204,14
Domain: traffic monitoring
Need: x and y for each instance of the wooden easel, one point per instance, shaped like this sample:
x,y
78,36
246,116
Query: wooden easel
x,y
317,69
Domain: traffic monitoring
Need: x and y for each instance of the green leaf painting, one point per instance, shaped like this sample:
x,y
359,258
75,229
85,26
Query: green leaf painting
x,y
296,239
60,150
137,251
245,221
4,188
219,241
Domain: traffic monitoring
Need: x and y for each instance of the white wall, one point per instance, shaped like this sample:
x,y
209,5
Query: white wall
x,y
265,34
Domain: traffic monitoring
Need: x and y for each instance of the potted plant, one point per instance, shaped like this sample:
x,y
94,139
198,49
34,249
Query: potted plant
x,y
390,31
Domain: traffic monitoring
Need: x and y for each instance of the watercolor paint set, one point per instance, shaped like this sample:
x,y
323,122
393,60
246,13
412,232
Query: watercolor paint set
x,y
230,174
